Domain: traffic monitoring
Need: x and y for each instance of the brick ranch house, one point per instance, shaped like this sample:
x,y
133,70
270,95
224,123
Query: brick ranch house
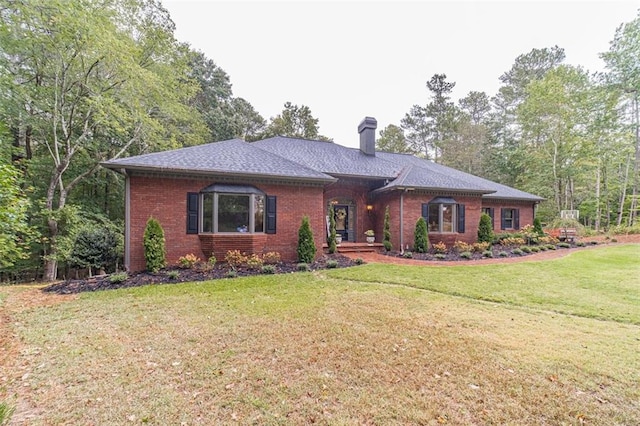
x,y
252,196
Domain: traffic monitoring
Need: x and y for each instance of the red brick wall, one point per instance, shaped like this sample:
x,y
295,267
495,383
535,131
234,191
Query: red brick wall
x,y
526,210
166,200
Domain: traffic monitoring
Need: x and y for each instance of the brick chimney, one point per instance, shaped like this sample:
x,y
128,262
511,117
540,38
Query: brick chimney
x,y
367,130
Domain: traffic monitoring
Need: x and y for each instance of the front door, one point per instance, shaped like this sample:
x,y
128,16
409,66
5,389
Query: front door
x,y
341,215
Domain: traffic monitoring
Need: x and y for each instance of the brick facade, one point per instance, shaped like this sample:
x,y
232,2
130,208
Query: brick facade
x,y
165,199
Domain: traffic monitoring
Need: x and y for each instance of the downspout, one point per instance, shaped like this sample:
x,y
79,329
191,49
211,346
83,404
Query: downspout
x,y
402,221
127,220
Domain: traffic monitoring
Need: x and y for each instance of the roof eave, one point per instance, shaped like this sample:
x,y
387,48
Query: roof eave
x,y
426,188
122,168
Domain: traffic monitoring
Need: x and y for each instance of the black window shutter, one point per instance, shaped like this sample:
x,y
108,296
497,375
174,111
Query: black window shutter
x,y
192,212
271,215
425,211
461,218
516,219
503,214
491,215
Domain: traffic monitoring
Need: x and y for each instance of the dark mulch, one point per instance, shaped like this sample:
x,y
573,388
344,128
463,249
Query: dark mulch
x,y
164,276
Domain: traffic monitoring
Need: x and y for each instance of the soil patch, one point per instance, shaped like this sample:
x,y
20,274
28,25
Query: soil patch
x,y
175,275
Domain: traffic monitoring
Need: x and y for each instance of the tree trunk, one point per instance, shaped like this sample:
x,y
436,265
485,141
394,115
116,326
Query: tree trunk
x,y
598,211
623,196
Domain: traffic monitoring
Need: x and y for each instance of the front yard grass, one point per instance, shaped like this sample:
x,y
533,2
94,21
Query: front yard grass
x,y
342,347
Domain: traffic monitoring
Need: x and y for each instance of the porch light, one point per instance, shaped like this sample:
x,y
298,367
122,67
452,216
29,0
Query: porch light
x,y
369,207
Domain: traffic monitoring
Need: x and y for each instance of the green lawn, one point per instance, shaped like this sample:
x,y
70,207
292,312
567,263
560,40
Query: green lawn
x,y
342,347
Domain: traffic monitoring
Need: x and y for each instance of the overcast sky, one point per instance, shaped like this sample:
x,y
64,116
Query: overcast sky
x,y
348,60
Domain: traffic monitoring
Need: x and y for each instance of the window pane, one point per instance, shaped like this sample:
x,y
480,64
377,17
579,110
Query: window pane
x,y
233,213
258,213
447,217
207,213
434,218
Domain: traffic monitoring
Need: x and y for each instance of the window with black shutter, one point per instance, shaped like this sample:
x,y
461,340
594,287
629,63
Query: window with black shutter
x,y
236,209
192,212
444,215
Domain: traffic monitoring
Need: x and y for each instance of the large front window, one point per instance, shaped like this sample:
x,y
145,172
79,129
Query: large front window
x,y
222,212
442,217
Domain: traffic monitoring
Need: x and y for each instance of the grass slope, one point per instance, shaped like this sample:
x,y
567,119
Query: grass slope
x,y
331,348
603,283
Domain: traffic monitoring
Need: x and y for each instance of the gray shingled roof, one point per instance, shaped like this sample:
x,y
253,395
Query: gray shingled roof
x,y
308,160
331,158
233,157
425,167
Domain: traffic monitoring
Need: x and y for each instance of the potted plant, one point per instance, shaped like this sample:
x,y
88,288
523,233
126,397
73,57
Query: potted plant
x,y
371,236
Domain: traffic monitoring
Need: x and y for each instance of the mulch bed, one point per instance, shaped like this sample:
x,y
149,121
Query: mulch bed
x,y
166,276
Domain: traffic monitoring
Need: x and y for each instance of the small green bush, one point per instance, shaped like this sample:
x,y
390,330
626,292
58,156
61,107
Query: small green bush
x,y
487,253
173,274
440,256
517,252
421,237
231,273
302,267
306,245
525,249
332,264
485,229
503,254
534,249
359,261
154,251
212,261
466,255
386,239
407,255
269,269
614,240
550,247
118,277
542,248
563,245
331,241
537,227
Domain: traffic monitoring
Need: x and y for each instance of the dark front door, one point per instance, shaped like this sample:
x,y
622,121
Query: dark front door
x,y
341,215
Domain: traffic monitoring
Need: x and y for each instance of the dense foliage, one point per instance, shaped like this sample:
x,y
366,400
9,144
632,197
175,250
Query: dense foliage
x,y
485,229
386,238
154,249
331,241
420,236
306,245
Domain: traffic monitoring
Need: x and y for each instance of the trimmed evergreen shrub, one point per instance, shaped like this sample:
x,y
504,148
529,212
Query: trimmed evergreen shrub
x,y
440,256
386,240
173,274
503,254
407,255
537,227
332,232
517,252
485,229
306,246
95,248
487,253
421,237
269,269
466,255
154,251
302,267
359,261
331,264
118,277
564,245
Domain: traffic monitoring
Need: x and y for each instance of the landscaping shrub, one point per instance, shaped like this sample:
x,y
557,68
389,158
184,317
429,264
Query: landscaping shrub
x,y
306,246
386,239
95,249
563,245
525,249
212,261
231,273
331,241
534,249
537,227
271,257
235,258
466,255
440,256
302,266
481,247
461,246
581,244
503,254
485,229
255,262
359,261
407,255
173,275
440,247
542,248
331,264
529,234
487,253
512,241
268,269
421,237
550,246
118,277
517,252
154,251
188,261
